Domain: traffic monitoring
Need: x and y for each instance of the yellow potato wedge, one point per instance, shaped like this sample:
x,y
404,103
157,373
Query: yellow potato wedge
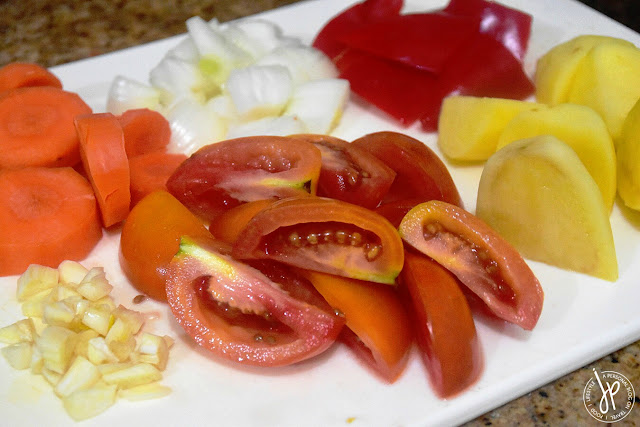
x,y
556,69
580,127
540,197
469,127
629,159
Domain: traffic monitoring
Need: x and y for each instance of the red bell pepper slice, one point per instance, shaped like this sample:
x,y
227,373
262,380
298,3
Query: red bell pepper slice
x,y
422,40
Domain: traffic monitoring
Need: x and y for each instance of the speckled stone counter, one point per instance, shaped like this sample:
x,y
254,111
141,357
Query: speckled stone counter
x,y
55,32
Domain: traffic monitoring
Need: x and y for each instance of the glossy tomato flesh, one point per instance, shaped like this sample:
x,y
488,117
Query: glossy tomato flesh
x,y
482,260
326,235
350,173
445,328
225,174
378,328
243,315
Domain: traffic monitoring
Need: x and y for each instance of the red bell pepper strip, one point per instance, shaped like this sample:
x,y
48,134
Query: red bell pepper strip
x,y
422,40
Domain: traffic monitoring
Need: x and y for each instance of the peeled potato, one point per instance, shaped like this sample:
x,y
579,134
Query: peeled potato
x,y
629,159
556,69
607,81
469,127
540,197
580,127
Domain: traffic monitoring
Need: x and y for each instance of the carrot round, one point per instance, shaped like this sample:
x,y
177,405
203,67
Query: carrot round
x,y
150,172
105,163
36,127
24,74
47,215
144,131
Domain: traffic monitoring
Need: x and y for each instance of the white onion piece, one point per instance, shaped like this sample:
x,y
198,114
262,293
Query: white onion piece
x,y
218,56
180,79
260,91
223,106
185,50
276,126
257,36
126,94
303,62
319,104
193,126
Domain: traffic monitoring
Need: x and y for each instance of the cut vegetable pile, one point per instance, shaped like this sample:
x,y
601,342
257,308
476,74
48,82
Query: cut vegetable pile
x,y
271,240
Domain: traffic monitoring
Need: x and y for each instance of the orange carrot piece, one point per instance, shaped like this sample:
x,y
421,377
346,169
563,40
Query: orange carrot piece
x,y
150,172
105,163
47,215
144,131
36,127
25,74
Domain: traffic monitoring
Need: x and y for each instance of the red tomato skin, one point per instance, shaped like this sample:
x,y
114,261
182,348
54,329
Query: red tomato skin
x,y
350,173
226,174
291,215
482,260
420,173
201,267
444,326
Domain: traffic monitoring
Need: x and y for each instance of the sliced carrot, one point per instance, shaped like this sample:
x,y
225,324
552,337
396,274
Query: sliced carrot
x,y
36,127
47,215
144,131
105,162
150,172
24,74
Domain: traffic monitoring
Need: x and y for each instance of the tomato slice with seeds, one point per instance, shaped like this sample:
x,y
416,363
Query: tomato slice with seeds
x,y
483,261
377,329
325,235
228,226
445,329
420,174
225,174
350,173
239,314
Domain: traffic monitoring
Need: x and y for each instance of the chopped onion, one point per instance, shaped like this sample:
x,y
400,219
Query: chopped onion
x,y
303,62
319,104
218,56
125,94
277,126
257,36
223,106
185,50
177,79
193,126
260,91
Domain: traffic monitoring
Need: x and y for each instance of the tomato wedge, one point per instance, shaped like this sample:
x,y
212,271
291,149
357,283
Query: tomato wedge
x,y
420,174
445,329
482,260
228,173
228,226
325,235
239,314
150,238
350,173
378,327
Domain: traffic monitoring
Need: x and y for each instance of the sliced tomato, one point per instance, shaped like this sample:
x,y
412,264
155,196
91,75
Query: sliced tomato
x,y
445,329
420,174
350,173
378,327
483,261
228,226
223,175
325,235
239,314
150,238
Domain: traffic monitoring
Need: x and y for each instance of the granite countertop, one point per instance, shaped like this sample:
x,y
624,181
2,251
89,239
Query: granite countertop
x,y
53,32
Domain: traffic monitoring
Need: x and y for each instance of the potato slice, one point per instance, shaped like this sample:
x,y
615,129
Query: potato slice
x,y
539,196
580,127
556,69
607,81
629,159
469,127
